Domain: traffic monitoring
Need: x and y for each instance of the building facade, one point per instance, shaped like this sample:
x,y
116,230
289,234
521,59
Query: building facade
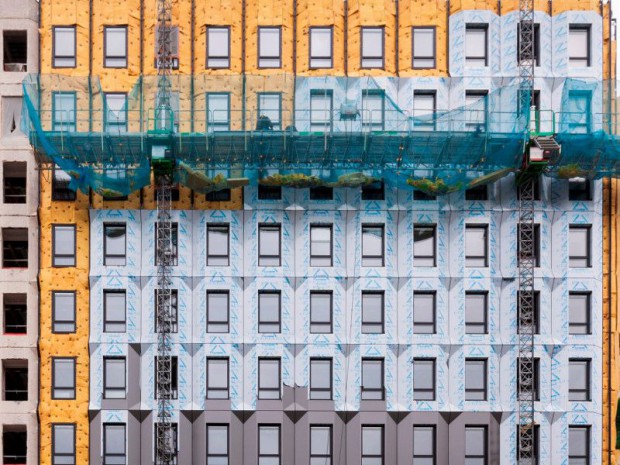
x,y
336,325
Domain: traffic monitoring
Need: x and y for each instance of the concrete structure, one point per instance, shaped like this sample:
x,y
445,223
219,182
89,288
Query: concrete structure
x,y
19,321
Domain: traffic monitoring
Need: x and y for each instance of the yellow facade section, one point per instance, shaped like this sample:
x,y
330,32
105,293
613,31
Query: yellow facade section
x,y
63,345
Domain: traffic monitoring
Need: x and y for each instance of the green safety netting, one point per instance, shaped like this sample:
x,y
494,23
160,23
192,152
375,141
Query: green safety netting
x,y
301,131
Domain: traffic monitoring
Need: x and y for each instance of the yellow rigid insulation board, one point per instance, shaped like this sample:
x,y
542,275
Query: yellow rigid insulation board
x,y
63,345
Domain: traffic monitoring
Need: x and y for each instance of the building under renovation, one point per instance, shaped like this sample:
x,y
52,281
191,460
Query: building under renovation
x,y
312,232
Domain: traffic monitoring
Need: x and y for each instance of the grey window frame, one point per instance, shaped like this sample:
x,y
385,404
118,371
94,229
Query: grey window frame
x,y
425,457
218,322
318,390
56,320
370,393
367,258
64,57
588,315
535,310
107,388
115,126
485,456
214,227
227,57
106,255
174,47
217,458
125,56
368,122
115,455
312,57
588,257
414,57
585,393
269,57
270,389
485,323
365,58
536,44
209,389
273,227
370,327
174,306
277,125
71,391
588,57
419,121
318,257
323,458
535,378
433,363
214,123
322,126
56,256
425,324
477,27
426,257
70,124
270,457
485,257
588,432
485,390
107,321
264,326
536,447
56,455
174,238
174,377
174,427
331,313
373,457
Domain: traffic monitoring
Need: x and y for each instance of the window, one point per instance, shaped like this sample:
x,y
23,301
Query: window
x,y
63,47
222,195
115,47
420,195
537,190
116,117
170,300
15,374
321,445
531,378
321,193
15,51
269,47
269,378
114,244
114,309
477,193
526,232
15,313
320,378
579,189
269,312
218,240
63,444
424,444
476,312
60,185
14,248
269,244
529,456
373,109
218,311
373,310
579,313
114,378
579,445
373,191
476,444
579,44
424,244
166,116
423,47
63,311
63,378
373,445
167,249
11,116
372,47
579,380
424,108
372,379
269,109
476,112
14,444
321,108
218,46
320,245
63,111
269,192
579,246
372,245
168,364
217,377
424,312
114,444
321,45
218,111
170,434
321,312
475,379
217,444
525,322
63,245
536,44
476,245
174,48
476,44
269,445
14,181
423,379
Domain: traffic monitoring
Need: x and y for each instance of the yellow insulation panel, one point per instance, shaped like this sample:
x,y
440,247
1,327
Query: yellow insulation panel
x,y
63,345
